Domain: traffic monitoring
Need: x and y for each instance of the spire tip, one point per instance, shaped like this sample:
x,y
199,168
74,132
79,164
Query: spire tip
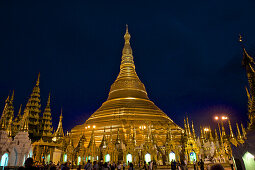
x,y
38,80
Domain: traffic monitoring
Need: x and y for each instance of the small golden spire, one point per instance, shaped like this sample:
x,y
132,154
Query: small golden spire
x,y
239,136
202,135
248,93
12,98
193,130
189,133
118,141
216,135
2,124
61,115
230,129
243,131
220,131
127,36
20,107
185,127
127,50
223,131
38,80
7,99
48,102
24,126
240,38
211,137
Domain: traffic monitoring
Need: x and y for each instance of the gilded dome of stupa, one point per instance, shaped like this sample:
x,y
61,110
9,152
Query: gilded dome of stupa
x,y
128,107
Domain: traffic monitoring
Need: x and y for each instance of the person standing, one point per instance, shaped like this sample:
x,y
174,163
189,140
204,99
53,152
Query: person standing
x,y
88,166
119,166
145,166
231,163
194,163
131,167
95,166
124,165
201,163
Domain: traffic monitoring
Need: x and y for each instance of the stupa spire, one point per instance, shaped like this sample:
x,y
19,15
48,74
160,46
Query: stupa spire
x,y
127,83
210,133
12,98
127,50
16,122
24,123
118,140
230,129
216,136
193,131
185,127
33,107
239,136
59,132
134,135
38,80
249,65
243,131
2,124
189,133
8,113
92,139
46,122
103,144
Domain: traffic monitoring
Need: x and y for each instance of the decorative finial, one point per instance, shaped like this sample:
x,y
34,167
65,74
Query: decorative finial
x,y
127,51
12,96
19,113
48,102
7,99
127,36
240,38
61,116
230,129
216,135
38,80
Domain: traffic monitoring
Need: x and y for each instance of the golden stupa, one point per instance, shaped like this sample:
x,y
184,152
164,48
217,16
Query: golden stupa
x,y
127,110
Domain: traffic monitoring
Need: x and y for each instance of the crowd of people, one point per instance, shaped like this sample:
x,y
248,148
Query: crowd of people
x,y
31,165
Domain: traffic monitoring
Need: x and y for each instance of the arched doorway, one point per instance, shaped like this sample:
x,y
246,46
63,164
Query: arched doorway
x,y
65,158
192,156
79,160
129,158
171,156
48,158
4,160
30,155
147,157
107,158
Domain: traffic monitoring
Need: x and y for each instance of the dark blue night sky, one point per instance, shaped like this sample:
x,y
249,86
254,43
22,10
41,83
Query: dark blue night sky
x,y
186,53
